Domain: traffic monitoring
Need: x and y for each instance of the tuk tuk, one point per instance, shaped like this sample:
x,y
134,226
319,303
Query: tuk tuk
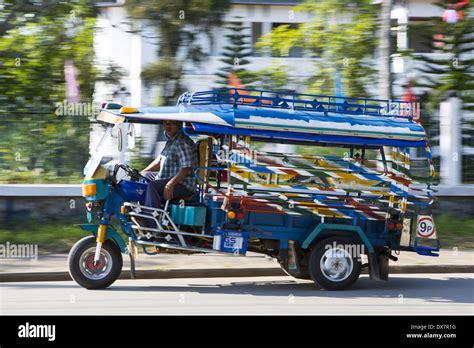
x,y
323,217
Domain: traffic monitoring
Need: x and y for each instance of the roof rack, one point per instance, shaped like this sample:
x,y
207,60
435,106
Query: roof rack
x,y
307,102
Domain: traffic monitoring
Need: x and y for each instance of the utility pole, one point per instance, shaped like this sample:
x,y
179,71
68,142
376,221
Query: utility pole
x,y
384,78
450,140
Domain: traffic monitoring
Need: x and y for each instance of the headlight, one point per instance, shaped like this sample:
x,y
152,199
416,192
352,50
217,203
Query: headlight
x,y
89,190
95,189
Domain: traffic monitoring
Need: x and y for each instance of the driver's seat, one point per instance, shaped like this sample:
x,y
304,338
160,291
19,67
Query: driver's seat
x,y
190,199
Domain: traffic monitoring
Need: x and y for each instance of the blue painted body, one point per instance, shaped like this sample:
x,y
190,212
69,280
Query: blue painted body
x,y
283,137
132,191
257,225
303,229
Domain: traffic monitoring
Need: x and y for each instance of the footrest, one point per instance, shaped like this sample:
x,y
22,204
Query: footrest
x,y
427,251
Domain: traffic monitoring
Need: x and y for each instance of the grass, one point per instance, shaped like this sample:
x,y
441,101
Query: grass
x,y
454,231
59,237
37,177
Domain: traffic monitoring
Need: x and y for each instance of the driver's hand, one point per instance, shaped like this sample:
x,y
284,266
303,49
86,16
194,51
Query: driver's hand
x,y
169,188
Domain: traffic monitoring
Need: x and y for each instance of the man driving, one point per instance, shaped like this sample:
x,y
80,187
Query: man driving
x,y
175,167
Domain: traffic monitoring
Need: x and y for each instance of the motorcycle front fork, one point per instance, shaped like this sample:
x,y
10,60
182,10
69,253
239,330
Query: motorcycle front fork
x,y
101,232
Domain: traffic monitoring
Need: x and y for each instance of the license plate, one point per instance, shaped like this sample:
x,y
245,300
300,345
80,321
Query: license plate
x,y
234,243
231,242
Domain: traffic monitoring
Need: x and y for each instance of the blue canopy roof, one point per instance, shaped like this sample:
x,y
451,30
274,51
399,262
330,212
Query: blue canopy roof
x,y
299,118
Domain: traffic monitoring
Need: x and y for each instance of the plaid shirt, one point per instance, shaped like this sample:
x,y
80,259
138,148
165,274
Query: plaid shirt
x,y
179,152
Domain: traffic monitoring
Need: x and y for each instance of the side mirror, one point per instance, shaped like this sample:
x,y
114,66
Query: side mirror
x,y
131,136
119,140
116,134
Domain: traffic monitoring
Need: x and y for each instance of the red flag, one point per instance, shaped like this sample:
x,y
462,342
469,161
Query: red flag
x,y
234,82
412,106
72,85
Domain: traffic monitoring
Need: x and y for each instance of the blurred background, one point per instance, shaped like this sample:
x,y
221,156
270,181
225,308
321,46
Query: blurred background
x,y
59,60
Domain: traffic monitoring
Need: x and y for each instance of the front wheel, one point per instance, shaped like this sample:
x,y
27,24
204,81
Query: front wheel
x,y
334,264
95,276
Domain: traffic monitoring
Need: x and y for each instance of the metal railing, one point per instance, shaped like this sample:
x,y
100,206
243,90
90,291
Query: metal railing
x,y
306,102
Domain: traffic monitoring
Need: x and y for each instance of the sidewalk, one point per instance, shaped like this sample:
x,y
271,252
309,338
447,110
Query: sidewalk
x,y
54,266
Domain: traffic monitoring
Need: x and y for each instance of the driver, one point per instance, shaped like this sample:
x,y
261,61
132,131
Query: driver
x,y
175,166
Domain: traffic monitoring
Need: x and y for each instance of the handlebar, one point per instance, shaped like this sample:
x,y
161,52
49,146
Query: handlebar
x,y
132,173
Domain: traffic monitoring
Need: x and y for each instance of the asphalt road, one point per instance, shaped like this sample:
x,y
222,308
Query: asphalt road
x,y
423,294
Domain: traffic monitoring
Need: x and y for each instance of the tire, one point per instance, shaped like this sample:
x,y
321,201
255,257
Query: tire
x,y
334,268
85,273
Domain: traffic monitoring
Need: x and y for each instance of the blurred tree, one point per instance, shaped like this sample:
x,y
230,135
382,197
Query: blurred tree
x,y
178,23
453,71
236,51
274,78
36,38
35,41
342,35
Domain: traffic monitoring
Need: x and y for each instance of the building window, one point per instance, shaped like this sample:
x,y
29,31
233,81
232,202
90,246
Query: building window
x,y
256,34
420,36
108,3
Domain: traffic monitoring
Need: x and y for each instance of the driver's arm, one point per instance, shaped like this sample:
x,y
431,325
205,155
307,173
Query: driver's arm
x,y
154,166
169,188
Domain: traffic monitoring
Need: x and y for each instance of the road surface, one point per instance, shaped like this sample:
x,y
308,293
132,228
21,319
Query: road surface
x,y
417,294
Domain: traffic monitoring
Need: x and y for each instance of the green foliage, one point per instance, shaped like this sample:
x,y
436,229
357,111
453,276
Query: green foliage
x,y
137,159
449,70
342,35
165,72
178,23
273,78
454,70
321,151
36,38
36,44
454,230
235,53
332,151
50,237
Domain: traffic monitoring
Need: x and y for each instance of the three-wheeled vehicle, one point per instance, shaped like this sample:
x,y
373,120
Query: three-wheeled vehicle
x,y
323,218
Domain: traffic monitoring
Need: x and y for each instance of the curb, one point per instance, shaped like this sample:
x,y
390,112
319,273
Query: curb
x,y
151,274
222,273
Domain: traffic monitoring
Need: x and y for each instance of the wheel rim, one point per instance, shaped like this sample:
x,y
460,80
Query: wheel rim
x,y
336,264
98,271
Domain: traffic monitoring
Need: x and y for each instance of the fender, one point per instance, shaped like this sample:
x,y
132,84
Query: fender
x,y
110,233
337,227
378,262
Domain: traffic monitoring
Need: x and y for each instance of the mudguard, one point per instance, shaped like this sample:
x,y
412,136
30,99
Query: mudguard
x,y
350,229
111,233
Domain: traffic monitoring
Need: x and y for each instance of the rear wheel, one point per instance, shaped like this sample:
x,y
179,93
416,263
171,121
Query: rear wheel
x,y
333,264
95,276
